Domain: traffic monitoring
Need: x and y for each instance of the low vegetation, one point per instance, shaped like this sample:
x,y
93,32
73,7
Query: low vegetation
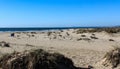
x,y
112,58
4,44
83,35
93,37
92,30
85,39
111,40
49,33
36,59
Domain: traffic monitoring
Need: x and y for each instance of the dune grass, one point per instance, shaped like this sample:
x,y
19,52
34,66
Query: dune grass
x,y
36,59
112,58
93,30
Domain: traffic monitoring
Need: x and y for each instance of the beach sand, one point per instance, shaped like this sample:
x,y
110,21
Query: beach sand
x,y
81,48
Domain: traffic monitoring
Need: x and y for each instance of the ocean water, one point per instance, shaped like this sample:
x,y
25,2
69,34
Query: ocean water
x,y
39,29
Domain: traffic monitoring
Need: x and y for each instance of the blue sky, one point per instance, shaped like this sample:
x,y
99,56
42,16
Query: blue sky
x,y
59,13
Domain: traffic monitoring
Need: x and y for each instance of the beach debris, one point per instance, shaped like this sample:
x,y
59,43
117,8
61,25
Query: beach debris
x,y
4,44
36,59
111,40
12,34
112,58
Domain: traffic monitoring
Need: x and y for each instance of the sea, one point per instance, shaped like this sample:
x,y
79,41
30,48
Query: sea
x,y
40,28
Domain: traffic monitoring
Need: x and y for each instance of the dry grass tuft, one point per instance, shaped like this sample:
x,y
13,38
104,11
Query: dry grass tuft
x,y
67,34
112,58
83,35
111,40
93,37
93,30
29,45
85,39
49,33
36,59
4,44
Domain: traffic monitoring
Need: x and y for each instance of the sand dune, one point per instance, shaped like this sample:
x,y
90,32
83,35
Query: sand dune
x,y
83,48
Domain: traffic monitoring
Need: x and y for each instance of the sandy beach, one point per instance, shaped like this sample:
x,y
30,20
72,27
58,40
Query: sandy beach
x,y
82,48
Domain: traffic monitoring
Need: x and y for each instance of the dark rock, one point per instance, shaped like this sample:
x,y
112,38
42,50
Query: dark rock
x,y
12,34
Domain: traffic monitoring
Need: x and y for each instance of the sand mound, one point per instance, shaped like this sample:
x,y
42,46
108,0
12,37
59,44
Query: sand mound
x,y
36,59
112,58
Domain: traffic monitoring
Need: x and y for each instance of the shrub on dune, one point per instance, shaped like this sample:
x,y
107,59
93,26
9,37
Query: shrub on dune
x,y
93,30
4,44
93,37
79,39
112,58
49,33
67,34
83,35
111,40
36,59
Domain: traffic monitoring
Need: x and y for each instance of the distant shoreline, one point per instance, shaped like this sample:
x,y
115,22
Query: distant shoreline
x,y
44,28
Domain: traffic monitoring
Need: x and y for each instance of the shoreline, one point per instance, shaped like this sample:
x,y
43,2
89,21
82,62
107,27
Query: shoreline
x,y
25,29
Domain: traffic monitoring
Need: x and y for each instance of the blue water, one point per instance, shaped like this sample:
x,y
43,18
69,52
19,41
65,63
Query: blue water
x,y
40,29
